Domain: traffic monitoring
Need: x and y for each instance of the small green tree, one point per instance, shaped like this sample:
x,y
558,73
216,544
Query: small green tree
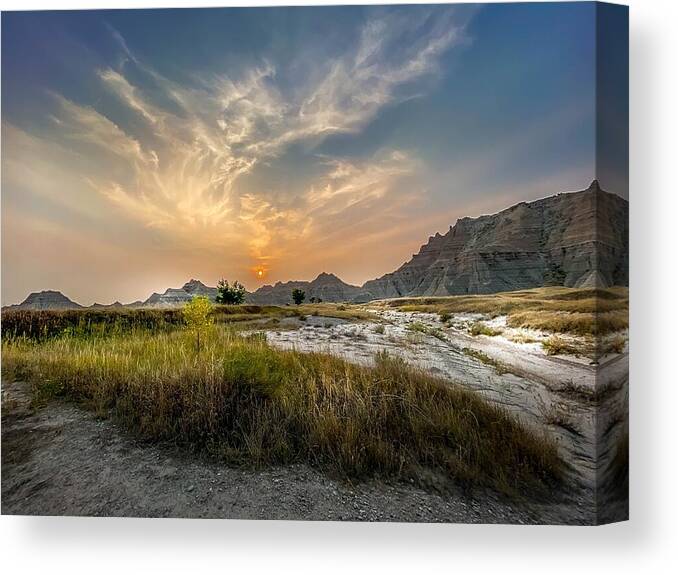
x,y
197,316
230,294
298,295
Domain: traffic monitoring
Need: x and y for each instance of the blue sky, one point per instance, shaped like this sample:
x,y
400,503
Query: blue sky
x,y
144,147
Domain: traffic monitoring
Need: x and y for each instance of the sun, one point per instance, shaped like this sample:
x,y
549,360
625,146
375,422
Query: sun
x,y
259,271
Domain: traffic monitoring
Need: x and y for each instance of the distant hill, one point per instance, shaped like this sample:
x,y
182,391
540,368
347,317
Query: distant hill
x,y
326,287
47,299
173,297
113,305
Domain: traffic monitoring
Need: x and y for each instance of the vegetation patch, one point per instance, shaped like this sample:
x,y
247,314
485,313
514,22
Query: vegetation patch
x,y
486,359
247,403
480,328
419,327
556,345
522,338
44,324
556,309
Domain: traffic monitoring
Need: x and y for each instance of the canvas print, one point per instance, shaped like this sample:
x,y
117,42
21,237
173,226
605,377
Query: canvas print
x,y
357,263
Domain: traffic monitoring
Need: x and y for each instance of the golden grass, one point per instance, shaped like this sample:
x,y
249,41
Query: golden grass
x,y
479,328
556,345
247,403
482,357
554,309
42,324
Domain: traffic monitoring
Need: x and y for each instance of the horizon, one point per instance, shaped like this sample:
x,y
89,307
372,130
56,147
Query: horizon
x,y
246,145
290,280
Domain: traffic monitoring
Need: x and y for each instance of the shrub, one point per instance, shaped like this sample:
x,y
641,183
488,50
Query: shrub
x,y
197,316
44,324
556,345
230,294
479,328
298,296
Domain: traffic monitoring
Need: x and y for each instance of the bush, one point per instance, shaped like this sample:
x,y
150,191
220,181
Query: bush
x,y
298,295
479,328
197,316
556,345
230,294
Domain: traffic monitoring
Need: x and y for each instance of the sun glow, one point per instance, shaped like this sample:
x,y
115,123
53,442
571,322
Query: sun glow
x,y
258,272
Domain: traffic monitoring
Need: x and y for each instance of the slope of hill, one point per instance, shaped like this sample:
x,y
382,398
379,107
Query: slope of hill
x,y
326,287
47,299
574,239
179,296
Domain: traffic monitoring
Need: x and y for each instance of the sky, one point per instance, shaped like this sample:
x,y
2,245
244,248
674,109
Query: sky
x,y
142,148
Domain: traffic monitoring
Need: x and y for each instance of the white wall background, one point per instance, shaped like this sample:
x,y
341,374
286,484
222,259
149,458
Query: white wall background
x,y
646,544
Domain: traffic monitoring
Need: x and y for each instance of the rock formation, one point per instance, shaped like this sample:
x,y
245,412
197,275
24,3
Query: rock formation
x,y
575,239
326,287
173,297
47,299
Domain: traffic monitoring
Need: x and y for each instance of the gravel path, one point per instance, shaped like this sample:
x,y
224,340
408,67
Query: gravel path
x,y
61,460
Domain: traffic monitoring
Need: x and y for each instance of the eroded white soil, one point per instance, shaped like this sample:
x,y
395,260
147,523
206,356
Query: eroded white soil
x,y
580,405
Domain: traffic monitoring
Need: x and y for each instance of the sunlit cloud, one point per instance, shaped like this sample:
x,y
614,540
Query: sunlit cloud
x,y
183,179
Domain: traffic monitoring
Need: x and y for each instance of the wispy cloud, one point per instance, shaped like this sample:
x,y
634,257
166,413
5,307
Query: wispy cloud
x,y
184,177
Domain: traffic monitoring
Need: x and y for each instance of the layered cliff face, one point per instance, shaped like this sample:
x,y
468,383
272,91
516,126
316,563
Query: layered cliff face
x,y
326,287
574,239
173,297
47,299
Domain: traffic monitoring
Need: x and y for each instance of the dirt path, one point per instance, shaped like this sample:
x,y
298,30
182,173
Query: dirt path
x,y
61,460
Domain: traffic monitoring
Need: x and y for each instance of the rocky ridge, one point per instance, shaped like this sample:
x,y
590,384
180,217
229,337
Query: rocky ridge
x,y
577,239
326,287
47,300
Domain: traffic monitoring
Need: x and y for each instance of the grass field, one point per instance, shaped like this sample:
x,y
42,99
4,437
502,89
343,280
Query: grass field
x,y
586,312
246,403
43,324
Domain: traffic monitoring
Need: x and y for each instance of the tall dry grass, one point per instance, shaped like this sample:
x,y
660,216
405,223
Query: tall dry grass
x,y
44,324
246,403
556,309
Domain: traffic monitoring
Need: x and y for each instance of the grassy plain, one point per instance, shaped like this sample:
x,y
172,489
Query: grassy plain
x,y
246,403
583,312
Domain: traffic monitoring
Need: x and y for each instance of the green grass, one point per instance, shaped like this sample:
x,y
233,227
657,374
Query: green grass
x,y
246,403
482,357
43,324
554,309
480,328
419,327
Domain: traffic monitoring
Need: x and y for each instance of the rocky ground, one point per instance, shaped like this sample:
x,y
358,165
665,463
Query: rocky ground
x,y
61,460
580,405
